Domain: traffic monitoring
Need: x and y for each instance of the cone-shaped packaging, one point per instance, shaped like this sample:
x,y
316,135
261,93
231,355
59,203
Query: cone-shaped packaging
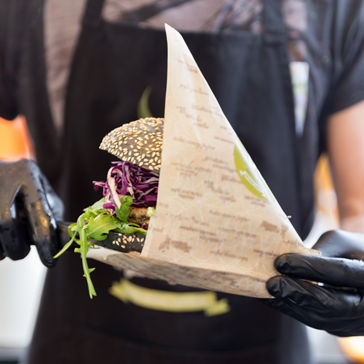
x,y
217,225
214,209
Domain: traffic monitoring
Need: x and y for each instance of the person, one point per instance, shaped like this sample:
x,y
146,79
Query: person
x,y
77,69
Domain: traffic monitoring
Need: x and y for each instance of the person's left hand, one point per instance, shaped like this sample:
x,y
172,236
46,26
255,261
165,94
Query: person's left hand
x,y
325,292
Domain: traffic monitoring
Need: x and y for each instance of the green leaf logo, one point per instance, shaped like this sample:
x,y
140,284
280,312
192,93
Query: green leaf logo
x,y
143,110
246,176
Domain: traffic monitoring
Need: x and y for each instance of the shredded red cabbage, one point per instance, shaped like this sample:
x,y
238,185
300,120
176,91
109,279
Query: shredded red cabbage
x,y
125,178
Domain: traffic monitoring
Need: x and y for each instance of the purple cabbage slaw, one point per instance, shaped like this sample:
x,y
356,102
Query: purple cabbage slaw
x,y
125,178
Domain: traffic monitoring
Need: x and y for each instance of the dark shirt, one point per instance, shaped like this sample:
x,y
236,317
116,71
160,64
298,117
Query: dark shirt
x,y
329,37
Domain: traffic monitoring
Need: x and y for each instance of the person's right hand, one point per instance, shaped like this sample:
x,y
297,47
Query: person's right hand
x,y
28,211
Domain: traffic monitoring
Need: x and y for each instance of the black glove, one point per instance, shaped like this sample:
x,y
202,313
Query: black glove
x,y
335,303
28,212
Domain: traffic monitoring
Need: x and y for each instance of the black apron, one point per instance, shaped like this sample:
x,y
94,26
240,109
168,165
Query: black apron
x,y
112,66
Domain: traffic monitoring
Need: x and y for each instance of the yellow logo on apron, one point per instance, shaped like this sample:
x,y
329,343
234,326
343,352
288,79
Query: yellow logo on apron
x,y
153,299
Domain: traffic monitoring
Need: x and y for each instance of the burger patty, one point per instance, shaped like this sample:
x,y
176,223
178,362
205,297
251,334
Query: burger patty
x,y
138,215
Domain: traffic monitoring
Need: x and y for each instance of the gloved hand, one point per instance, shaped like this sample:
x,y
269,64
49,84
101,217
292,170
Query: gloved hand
x,y
28,212
325,292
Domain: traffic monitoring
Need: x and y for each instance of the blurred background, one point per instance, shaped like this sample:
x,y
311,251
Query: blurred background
x,y
21,282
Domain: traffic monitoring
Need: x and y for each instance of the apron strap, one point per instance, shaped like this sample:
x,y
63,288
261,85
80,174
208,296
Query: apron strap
x,y
93,12
274,27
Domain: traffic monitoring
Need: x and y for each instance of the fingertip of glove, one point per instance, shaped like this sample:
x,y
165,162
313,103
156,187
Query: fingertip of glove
x,y
48,261
46,253
287,263
16,251
283,263
273,286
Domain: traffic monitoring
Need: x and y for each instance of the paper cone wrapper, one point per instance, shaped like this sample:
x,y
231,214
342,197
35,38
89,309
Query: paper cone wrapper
x,y
217,225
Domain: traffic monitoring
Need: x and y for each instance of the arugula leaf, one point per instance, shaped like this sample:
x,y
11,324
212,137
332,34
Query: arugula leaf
x,y
131,228
70,242
100,225
124,211
87,271
96,223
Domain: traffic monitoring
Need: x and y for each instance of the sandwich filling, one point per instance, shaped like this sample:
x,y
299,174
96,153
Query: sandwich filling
x,y
128,179
129,192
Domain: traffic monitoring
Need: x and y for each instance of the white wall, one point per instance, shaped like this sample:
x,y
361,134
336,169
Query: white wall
x,y
21,283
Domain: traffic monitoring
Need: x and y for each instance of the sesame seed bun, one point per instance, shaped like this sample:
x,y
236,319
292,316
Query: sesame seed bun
x,y
138,142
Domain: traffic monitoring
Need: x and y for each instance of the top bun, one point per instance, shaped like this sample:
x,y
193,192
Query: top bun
x,y
138,142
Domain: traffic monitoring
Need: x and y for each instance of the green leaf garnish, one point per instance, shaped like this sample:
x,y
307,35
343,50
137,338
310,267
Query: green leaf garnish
x,y
95,223
150,211
124,211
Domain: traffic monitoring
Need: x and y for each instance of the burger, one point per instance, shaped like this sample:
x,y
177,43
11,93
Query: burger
x,y
129,192
138,145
